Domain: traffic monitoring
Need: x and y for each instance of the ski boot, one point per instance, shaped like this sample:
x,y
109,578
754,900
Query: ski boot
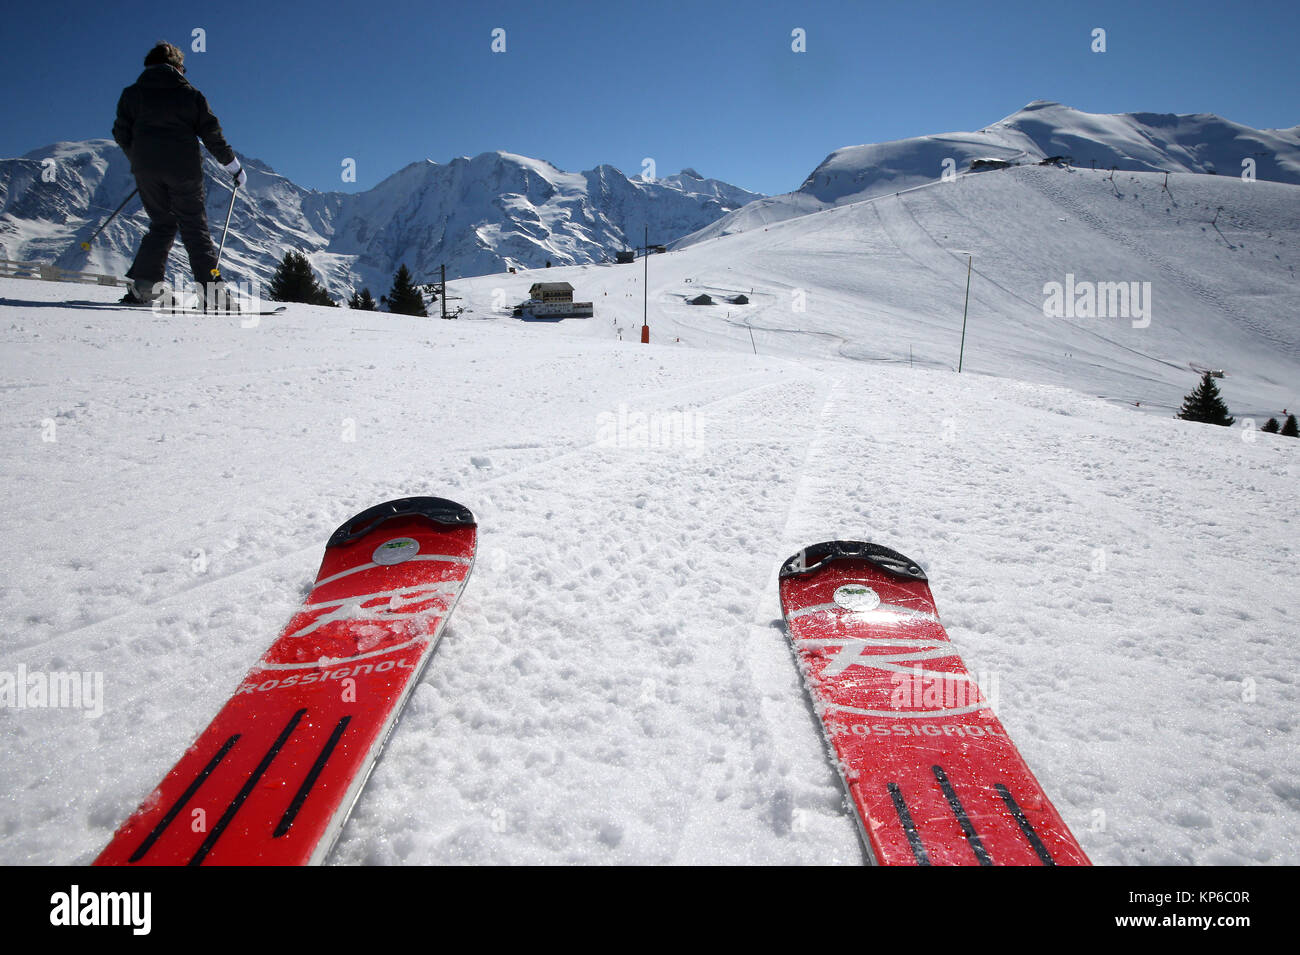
x,y
139,292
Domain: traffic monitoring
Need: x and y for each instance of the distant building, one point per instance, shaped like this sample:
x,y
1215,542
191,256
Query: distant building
x,y
625,256
701,300
740,300
553,300
551,292
979,165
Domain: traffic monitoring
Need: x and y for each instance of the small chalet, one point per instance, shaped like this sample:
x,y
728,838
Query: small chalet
x,y
740,300
551,292
701,300
553,300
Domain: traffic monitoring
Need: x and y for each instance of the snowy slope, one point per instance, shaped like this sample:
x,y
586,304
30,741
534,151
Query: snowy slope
x,y
615,685
883,281
1133,142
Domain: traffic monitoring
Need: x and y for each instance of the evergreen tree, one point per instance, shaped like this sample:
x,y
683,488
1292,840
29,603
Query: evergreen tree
x,y
1205,404
1289,429
362,301
1270,426
404,298
294,281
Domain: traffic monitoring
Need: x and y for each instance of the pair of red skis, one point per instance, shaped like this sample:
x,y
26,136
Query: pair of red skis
x,y
928,768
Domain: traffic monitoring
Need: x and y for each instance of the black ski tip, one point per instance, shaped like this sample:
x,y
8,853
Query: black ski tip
x,y
437,509
817,555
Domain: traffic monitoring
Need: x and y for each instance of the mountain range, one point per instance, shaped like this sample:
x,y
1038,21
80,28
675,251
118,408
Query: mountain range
x,y
493,212
499,211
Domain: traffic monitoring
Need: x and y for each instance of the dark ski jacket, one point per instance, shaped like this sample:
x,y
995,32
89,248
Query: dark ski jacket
x,y
160,120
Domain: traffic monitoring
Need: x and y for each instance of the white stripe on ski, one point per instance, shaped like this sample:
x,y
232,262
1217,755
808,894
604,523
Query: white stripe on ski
x,y
910,714
853,656
352,611
446,558
446,587
850,655
326,662
916,643
883,614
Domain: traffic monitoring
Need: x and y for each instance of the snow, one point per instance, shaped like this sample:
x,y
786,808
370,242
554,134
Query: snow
x,y
615,684
473,215
1133,142
883,280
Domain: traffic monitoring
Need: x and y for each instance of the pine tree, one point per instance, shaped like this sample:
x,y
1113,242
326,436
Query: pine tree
x,y
294,281
1270,426
1205,404
362,301
1289,429
404,298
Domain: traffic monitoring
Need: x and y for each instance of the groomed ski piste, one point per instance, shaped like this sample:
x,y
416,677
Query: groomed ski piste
x,y
615,685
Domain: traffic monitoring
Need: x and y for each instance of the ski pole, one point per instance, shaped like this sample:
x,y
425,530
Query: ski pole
x,y
216,271
86,245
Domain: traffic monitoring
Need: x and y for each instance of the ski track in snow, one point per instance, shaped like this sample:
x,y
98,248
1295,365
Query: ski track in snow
x,y
691,659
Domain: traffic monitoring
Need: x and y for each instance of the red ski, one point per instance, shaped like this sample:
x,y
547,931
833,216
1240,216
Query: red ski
x,y
929,769
273,778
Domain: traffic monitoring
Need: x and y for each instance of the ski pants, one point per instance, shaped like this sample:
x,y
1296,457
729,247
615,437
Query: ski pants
x,y
173,203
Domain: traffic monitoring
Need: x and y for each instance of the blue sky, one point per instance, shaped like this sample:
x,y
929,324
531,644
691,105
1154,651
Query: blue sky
x,y
711,85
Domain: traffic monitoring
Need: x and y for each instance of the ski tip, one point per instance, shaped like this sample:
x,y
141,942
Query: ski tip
x,y
437,509
818,555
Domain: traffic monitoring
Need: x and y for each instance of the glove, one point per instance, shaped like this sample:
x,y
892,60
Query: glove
x,y
236,170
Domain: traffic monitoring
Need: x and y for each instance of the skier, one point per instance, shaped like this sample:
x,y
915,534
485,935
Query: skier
x,y
158,120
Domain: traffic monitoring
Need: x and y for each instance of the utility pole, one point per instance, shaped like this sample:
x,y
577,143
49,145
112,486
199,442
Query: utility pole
x,y
965,309
442,290
645,289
